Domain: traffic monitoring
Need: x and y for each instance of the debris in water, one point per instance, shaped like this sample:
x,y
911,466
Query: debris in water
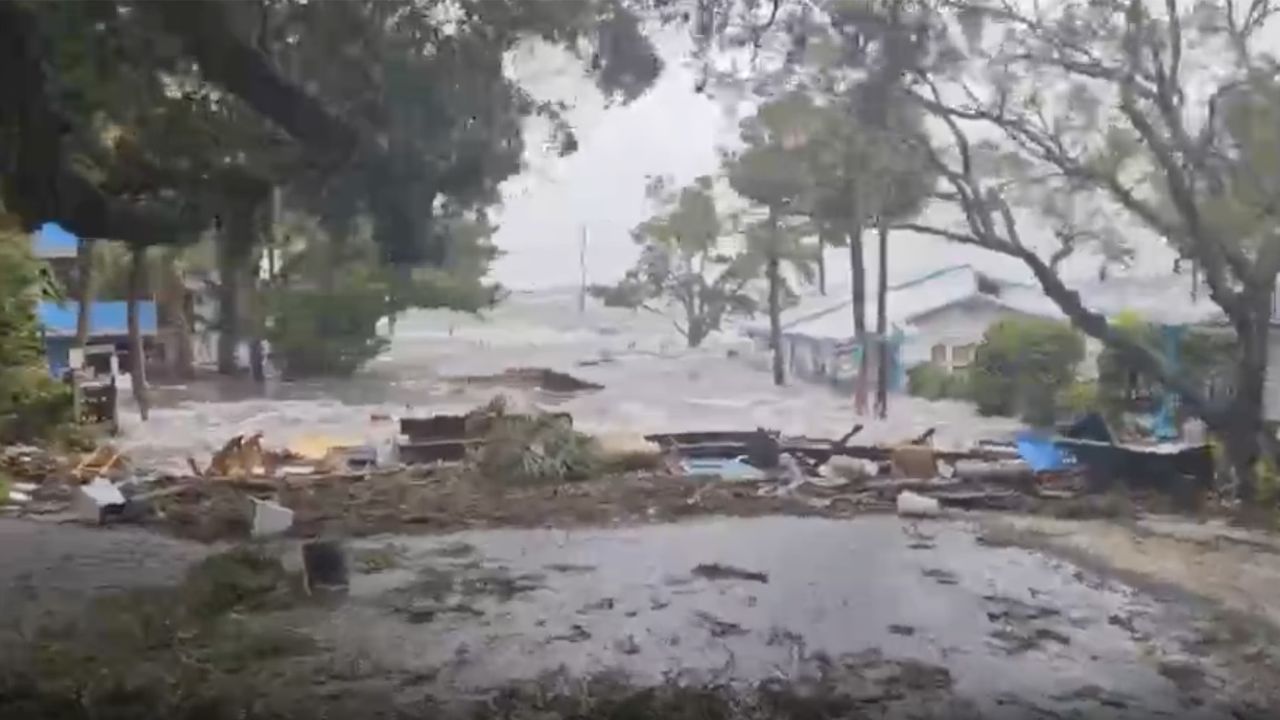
x,y
93,502
324,565
601,604
270,518
915,505
914,461
940,576
627,645
717,571
719,628
576,634
570,568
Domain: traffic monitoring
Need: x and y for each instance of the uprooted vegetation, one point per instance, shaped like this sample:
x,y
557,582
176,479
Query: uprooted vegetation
x,y
530,449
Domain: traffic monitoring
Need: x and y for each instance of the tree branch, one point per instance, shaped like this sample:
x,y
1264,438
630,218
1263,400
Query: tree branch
x,y
1091,323
228,61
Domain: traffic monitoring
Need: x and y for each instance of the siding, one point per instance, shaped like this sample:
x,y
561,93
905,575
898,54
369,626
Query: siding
x,y
960,324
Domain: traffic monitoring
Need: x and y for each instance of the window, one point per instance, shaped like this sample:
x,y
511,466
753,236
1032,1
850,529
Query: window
x,y
962,355
938,354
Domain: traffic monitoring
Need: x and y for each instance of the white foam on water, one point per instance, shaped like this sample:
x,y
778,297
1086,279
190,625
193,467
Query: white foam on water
x,y
652,383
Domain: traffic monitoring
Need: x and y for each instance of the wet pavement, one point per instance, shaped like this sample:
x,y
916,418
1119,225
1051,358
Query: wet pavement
x,y
747,600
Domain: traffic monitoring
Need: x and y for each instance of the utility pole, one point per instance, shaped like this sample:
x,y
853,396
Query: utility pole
x,y
582,269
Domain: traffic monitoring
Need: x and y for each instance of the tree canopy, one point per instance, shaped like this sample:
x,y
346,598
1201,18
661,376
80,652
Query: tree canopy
x,y
684,260
131,113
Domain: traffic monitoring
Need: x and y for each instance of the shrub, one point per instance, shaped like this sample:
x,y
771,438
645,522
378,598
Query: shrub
x,y
32,404
1020,367
931,382
1077,398
926,380
315,333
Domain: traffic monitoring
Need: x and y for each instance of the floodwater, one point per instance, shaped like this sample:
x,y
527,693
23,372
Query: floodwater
x,y
651,383
775,598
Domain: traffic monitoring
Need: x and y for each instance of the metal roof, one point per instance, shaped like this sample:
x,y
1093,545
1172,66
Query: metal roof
x,y
921,296
105,318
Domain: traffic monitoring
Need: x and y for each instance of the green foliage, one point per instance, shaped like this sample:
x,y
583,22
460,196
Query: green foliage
x,y
32,404
931,382
1078,398
682,261
531,449
326,332
1202,357
863,166
1022,365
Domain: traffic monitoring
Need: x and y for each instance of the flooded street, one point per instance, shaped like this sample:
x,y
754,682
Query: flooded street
x,y
651,383
742,601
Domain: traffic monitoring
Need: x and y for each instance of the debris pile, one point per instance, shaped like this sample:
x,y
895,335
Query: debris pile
x,y
499,465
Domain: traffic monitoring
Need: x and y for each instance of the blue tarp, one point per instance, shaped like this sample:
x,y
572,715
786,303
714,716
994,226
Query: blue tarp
x,y
52,240
1041,453
724,468
105,318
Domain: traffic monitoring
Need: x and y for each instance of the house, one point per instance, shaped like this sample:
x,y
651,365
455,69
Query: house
x,y
168,315
939,317
107,350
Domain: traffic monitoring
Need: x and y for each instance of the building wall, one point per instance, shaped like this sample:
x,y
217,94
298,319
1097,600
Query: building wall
x,y
949,336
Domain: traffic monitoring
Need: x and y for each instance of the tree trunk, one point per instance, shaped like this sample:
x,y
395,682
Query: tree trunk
x,y
822,265
697,332
775,317
1242,438
84,291
858,277
1239,426
171,304
235,242
228,309
137,357
882,322
257,365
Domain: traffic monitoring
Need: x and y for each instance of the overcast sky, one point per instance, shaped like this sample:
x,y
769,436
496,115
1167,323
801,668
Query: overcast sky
x,y
671,130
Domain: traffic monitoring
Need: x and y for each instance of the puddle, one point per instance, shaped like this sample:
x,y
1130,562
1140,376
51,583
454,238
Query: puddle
x,y
754,599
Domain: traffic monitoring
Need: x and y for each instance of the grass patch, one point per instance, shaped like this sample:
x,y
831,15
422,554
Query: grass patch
x,y
190,651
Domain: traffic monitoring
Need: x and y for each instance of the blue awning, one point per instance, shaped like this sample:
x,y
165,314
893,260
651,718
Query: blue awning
x,y
54,241
105,318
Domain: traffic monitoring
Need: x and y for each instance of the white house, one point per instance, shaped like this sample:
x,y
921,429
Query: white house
x,y
940,317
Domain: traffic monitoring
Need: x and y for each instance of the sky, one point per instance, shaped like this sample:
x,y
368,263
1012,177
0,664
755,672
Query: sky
x,y
675,131
600,189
